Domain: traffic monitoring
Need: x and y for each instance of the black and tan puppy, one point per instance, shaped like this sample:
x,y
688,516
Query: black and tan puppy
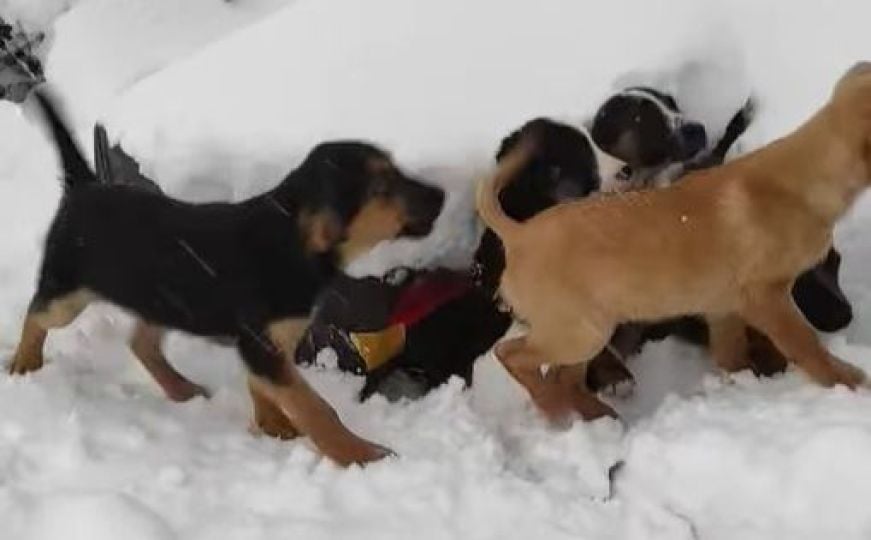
x,y
248,271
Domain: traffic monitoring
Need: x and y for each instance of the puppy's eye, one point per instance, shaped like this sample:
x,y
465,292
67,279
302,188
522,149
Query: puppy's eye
x,y
625,173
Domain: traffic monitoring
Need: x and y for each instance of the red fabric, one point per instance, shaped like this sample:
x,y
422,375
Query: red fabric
x,y
426,294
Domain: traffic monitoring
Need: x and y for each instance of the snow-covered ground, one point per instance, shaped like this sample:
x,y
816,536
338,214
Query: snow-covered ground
x,y
220,98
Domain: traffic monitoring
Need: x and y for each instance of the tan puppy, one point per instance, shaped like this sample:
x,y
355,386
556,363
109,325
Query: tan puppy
x,y
726,243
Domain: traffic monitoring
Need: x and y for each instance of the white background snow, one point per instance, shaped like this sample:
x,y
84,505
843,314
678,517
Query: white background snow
x,y
219,99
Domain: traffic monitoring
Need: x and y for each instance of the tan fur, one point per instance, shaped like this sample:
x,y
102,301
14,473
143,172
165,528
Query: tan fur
x,y
322,230
268,418
726,243
60,312
286,333
28,355
304,410
145,342
381,218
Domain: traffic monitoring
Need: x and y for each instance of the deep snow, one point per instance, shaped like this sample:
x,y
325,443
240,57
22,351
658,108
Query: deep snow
x,y
219,99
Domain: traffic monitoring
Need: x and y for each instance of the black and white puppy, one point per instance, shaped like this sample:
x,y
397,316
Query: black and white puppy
x,y
646,129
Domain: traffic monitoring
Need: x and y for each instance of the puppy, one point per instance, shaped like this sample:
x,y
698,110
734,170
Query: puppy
x,y
413,331
249,271
762,219
646,129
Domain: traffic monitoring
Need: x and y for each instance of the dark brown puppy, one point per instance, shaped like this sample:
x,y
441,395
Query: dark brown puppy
x,y
248,271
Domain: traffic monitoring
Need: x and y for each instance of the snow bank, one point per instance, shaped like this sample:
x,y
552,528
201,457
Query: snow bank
x,y
219,102
103,47
33,15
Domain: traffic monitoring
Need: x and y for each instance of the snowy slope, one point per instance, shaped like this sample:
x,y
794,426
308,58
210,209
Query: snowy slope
x,y
219,100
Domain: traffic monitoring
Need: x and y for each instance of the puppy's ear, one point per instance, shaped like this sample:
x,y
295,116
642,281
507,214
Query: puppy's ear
x,y
507,144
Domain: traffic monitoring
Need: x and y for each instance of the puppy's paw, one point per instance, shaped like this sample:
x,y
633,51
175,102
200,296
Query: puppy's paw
x,y
848,374
273,427
19,365
359,452
185,390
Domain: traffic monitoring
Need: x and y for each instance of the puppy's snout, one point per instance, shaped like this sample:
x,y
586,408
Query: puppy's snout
x,y
423,203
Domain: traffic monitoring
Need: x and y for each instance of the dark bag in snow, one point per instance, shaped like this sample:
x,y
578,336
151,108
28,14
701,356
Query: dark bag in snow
x,y
20,68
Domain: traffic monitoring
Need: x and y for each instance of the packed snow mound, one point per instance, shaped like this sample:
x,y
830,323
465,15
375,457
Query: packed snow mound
x,y
104,46
33,15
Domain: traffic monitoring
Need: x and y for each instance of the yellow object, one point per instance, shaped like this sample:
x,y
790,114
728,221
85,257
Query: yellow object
x,y
377,348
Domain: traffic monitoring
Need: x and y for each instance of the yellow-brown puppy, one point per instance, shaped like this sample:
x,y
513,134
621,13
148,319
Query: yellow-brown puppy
x,y
726,243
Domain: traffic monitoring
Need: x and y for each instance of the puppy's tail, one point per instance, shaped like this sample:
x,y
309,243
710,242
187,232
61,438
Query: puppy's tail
x,y
487,200
736,127
76,171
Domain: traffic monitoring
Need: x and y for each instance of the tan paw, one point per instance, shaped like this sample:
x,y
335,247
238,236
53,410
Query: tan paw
x,y
847,374
21,365
356,450
185,390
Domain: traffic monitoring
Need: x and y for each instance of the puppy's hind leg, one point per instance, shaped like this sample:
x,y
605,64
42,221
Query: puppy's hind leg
x,y
728,342
43,315
146,346
556,396
770,309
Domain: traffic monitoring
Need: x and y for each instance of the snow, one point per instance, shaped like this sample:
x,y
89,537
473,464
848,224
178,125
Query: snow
x,y
96,517
219,99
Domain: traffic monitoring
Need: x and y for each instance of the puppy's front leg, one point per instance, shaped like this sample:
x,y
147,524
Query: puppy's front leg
x,y
277,380
728,342
771,310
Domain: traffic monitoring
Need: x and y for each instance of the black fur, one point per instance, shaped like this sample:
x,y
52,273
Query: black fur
x,y
215,269
633,128
114,166
448,341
